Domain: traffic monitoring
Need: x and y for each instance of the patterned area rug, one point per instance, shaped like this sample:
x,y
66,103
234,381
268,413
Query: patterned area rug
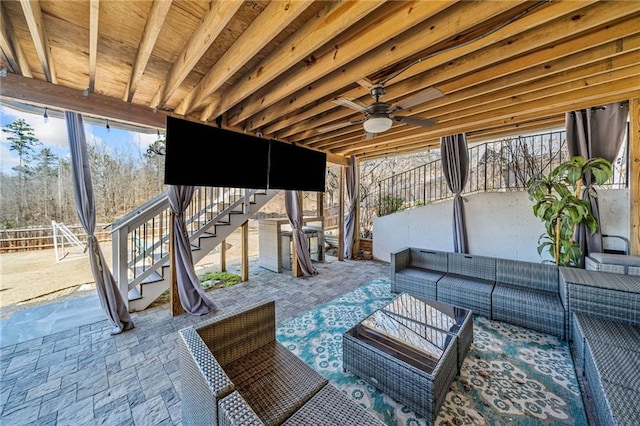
x,y
511,375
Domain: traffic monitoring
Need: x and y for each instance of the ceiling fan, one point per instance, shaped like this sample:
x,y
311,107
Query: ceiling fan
x,y
379,116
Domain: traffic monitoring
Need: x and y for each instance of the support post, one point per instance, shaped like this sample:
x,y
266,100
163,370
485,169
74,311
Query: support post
x,y
320,213
356,224
244,276
320,204
174,296
223,256
296,270
341,216
634,176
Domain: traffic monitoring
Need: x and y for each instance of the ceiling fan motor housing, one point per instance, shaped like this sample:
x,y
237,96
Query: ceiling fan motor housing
x,y
378,118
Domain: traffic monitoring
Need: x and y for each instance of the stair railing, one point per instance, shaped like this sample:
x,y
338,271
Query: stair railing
x,y
140,239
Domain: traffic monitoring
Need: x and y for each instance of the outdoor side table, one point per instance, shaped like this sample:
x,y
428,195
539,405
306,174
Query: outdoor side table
x,y
411,349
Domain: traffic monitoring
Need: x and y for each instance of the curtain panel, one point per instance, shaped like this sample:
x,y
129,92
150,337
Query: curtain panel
x,y
192,296
455,167
294,213
109,295
596,132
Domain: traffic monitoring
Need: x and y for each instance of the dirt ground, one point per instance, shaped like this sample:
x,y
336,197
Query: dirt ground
x,y
30,278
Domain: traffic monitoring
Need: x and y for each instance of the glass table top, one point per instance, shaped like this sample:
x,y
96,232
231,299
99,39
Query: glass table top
x,y
417,330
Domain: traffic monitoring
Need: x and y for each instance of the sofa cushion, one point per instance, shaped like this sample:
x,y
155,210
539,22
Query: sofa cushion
x,y
537,276
429,259
616,259
481,267
530,308
274,382
466,292
416,281
331,407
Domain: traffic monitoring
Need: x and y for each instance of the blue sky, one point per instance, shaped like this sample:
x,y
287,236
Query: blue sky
x,y
53,135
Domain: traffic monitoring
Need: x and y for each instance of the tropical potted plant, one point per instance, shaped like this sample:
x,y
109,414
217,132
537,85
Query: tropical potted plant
x,y
558,204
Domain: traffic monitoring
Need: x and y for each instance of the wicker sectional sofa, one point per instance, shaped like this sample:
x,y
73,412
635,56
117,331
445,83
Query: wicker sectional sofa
x,y
598,312
234,372
518,292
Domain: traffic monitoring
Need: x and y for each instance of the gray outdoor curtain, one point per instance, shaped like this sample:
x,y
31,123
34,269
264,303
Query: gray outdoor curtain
x,y
595,133
351,179
455,167
108,293
192,297
294,213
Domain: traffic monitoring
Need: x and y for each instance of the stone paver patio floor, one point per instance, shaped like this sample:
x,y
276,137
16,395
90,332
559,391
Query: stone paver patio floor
x,y
83,375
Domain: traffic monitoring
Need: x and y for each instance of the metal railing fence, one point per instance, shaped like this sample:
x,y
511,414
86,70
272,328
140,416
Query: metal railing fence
x,y
503,165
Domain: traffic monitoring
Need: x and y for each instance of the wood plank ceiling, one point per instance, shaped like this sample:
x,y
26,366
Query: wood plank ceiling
x,y
286,69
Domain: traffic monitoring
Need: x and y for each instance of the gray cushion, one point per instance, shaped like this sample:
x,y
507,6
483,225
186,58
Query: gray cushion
x,y
616,259
537,276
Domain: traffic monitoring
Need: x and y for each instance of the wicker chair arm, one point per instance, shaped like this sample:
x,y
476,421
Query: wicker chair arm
x,y
204,382
234,411
400,260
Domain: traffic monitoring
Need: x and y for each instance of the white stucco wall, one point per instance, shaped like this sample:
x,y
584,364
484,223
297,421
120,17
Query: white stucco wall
x,y
498,224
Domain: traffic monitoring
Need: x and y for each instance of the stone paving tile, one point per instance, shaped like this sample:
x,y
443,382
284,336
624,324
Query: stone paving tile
x,y
85,376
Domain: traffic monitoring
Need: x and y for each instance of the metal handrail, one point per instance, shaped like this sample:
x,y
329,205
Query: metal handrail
x,y
140,238
503,165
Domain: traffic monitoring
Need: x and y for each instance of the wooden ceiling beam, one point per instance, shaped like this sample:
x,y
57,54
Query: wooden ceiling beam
x,y
332,20
452,25
553,86
271,22
472,85
588,96
410,14
94,14
152,29
536,18
35,22
11,47
463,72
212,24
616,91
612,55
39,92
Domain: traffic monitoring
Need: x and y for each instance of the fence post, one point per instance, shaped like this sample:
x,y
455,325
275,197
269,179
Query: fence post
x,y
380,212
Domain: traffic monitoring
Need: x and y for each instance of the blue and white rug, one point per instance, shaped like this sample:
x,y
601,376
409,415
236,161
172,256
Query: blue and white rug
x,y
511,375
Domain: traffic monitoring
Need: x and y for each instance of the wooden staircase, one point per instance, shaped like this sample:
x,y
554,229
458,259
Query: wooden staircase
x,y
141,238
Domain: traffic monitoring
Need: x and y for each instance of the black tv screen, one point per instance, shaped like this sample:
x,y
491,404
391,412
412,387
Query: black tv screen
x,y
202,155
296,168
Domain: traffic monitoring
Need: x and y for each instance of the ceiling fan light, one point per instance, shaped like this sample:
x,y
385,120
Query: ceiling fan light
x,y
377,124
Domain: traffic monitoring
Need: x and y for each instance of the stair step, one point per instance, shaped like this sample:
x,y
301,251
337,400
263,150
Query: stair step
x,y
210,238
134,294
154,277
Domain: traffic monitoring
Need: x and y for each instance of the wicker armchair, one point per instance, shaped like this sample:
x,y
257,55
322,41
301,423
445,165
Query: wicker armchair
x,y
234,372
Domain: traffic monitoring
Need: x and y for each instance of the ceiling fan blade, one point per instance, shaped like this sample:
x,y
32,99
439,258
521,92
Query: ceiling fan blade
x,y
416,121
350,103
336,126
426,95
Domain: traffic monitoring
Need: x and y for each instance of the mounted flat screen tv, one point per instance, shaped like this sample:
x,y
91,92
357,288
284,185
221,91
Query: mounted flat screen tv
x,y
296,168
202,155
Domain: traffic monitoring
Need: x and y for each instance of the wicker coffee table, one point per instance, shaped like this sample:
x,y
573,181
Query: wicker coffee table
x,y
411,349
